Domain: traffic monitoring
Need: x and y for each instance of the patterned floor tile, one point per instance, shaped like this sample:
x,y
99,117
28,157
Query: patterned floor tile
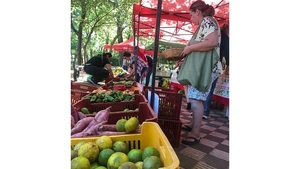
x,y
212,125
226,125
222,147
224,128
225,142
214,133
213,150
185,162
203,148
193,153
215,162
202,165
208,128
223,120
216,123
209,143
184,134
180,147
202,135
222,131
220,154
204,122
203,130
214,138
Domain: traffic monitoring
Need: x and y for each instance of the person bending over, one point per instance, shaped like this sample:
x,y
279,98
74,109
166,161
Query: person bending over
x,y
99,67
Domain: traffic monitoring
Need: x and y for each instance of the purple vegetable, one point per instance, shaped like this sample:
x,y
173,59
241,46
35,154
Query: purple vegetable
x,y
92,130
103,115
74,113
81,115
81,125
80,134
72,122
91,126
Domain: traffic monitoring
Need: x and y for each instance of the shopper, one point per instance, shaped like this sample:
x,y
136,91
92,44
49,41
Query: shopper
x,y
99,67
142,65
124,64
149,69
224,48
201,65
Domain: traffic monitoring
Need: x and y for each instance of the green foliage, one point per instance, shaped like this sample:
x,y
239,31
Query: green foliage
x,y
114,61
99,22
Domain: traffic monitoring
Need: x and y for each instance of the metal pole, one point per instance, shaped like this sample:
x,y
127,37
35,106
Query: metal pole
x,y
156,42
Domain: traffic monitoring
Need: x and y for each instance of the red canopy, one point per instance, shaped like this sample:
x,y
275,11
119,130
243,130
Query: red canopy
x,y
175,23
125,46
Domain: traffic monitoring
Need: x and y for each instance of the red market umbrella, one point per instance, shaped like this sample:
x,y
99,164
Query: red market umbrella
x,y
127,46
106,46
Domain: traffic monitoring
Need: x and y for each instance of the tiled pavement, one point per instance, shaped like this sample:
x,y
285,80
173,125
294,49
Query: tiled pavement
x,y
213,150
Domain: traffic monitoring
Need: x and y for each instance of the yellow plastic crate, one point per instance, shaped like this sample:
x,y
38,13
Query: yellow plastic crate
x,y
151,135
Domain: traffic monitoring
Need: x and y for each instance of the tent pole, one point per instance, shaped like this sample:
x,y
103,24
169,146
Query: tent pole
x,y
156,42
136,44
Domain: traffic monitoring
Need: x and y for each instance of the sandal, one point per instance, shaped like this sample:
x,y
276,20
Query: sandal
x,y
190,143
186,128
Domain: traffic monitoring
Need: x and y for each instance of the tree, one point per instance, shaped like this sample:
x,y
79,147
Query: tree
x,y
86,17
93,21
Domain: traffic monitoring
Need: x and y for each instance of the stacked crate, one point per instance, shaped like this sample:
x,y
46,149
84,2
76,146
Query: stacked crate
x,y
79,90
115,106
168,116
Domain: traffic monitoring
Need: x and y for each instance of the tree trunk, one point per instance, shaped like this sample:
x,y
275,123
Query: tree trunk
x,y
79,34
84,53
74,69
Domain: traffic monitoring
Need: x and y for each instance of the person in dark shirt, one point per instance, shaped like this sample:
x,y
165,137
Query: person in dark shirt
x,y
224,47
149,69
99,67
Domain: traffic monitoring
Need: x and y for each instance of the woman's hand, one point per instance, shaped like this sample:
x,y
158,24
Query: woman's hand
x,y
187,50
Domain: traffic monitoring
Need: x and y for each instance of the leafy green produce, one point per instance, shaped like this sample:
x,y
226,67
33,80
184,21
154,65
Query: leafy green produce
x,y
113,96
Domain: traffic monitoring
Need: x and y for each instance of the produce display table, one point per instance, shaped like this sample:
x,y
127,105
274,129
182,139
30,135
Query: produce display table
x,y
162,74
221,92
